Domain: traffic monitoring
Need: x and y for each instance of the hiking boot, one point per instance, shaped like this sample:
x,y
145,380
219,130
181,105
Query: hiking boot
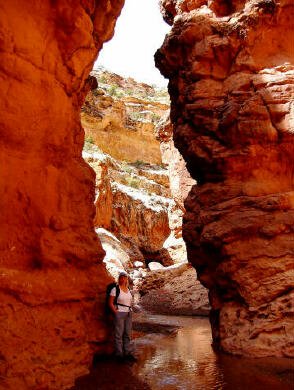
x,y
130,357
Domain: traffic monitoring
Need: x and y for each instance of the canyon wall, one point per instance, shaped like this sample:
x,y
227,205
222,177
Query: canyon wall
x,y
139,204
230,66
120,116
51,260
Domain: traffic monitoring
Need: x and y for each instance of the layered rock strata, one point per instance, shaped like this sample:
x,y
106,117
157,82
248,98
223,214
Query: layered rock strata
x,y
120,117
51,260
230,66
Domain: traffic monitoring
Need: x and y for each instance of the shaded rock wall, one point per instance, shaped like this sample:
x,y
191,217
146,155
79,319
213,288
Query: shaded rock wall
x,y
180,179
180,185
230,66
50,267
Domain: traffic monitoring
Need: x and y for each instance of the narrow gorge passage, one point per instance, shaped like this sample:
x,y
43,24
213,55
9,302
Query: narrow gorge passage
x,y
230,70
185,360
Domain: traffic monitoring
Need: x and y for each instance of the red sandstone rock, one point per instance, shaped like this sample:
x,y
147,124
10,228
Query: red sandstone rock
x,y
180,185
230,66
51,260
104,197
180,179
145,223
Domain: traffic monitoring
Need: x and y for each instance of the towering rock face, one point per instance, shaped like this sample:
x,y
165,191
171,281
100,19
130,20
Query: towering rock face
x,y
230,65
50,267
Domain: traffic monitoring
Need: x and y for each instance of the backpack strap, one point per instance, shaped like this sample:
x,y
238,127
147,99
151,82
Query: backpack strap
x,y
117,292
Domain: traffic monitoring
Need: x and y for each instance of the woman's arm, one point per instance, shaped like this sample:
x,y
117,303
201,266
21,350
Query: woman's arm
x,y
111,305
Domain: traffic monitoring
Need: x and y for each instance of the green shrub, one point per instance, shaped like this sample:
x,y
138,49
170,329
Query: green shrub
x,y
132,182
138,163
129,91
142,94
102,79
113,90
155,118
136,115
89,140
125,167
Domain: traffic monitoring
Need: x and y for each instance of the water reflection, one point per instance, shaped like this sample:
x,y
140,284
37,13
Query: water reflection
x,y
186,361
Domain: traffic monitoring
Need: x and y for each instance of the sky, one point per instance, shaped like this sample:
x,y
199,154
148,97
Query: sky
x,y
139,32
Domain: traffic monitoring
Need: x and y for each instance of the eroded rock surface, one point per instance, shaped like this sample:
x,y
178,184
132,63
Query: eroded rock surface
x,y
174,290
51,260
230,66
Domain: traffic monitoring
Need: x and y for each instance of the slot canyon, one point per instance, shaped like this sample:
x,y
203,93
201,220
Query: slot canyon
x,y
63,207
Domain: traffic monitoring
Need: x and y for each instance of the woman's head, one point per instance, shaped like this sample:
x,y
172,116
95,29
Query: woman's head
x,y
123,278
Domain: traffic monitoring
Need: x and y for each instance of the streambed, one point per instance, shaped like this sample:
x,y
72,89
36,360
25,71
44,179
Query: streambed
x,y
175,353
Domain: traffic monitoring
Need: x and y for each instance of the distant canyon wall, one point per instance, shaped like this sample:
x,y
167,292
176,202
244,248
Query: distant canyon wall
x,y
50,258
230,66
123,126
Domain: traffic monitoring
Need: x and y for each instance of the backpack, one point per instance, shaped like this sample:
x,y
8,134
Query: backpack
x,y
108,291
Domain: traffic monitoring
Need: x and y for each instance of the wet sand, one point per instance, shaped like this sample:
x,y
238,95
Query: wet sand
x,y
176,354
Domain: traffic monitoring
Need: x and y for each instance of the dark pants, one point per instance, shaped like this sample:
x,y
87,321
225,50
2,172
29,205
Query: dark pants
x,y
122,333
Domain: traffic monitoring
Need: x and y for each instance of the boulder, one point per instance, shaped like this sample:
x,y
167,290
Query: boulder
x,y
153,266
174,290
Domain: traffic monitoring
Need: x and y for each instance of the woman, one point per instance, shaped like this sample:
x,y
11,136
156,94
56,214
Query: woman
x,y
121,307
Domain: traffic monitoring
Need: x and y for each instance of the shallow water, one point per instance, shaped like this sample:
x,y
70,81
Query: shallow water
x,y
186,361
178,356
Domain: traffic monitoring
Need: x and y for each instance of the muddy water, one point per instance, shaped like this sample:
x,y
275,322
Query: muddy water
x,y
185,360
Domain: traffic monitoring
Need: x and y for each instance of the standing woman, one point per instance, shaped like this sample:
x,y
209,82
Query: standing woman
x,y
121,307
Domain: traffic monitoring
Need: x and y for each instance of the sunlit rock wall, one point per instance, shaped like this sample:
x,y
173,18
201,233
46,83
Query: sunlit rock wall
x,y
230,66
50,258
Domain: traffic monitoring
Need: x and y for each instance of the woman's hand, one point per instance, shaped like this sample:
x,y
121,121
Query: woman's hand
x,y
111,305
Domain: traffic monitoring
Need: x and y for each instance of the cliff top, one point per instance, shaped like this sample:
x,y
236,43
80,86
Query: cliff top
x,y
117,86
